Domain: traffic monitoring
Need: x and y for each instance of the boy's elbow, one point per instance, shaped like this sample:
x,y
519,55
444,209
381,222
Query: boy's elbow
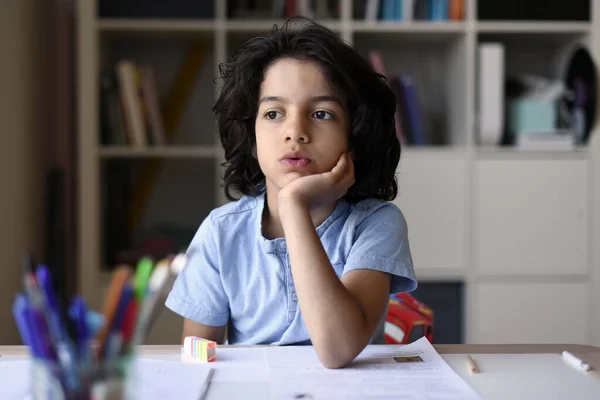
x,y
335,363
335,357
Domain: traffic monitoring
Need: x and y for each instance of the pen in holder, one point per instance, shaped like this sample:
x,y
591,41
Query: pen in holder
x,y
77,353
104,381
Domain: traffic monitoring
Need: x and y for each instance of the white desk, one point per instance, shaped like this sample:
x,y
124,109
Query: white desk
x,y
507,372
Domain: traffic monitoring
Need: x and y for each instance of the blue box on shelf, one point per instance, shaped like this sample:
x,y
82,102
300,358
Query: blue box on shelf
x,y
531,115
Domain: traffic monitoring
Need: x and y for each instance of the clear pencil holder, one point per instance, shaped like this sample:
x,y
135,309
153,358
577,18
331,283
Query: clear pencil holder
x,y
106,381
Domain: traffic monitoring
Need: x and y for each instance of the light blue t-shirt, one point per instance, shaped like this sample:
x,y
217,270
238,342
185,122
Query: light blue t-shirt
x,y
237,277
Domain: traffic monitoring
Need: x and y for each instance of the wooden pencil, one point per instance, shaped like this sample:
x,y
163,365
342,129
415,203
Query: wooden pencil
x,y
471,365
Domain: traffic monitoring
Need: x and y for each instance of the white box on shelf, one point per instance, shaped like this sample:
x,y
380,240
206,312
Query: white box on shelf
x,y
490,84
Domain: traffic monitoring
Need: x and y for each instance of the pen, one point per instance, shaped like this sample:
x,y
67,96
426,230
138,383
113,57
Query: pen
x,y
119,279
58,333
142,274
128,325
83,332
155,287
30,284
206,383
44,281
28,269
39,335
579,364
175,268
471,366
18,310
576,362
114,341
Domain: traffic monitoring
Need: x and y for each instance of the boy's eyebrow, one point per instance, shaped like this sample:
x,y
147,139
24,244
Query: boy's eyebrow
x,y
273,99
318,99
313,99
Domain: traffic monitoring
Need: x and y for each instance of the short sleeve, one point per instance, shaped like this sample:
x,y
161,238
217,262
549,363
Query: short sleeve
x,y
381,243
198,292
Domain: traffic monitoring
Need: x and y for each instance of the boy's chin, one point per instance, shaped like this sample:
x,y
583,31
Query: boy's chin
x,y
290,177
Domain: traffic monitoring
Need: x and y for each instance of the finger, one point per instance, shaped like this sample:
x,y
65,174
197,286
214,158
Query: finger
x,y
349,177
340,162
348,180
350,165
346,176
338,170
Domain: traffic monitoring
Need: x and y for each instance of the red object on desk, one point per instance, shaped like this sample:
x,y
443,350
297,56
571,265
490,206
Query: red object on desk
x,y
407,320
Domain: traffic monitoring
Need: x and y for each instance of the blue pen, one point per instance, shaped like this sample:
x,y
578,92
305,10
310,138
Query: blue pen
x,y
58,334
39,335
95,320
18,310
44,280
127,294
32,335
79,315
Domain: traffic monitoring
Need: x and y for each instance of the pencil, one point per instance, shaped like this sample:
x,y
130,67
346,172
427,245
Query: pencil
x,y
471,366
206,383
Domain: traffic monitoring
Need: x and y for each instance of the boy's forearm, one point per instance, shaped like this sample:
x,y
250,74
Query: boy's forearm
x,y
334,319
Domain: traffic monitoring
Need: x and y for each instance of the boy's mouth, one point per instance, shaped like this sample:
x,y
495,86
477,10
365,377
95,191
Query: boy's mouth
x,y
296,159
296,162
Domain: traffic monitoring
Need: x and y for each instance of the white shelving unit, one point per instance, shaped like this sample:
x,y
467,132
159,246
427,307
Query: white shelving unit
x,y
521,229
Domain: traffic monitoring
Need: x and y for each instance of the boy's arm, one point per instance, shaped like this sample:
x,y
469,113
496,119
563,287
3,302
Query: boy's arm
x,y
341,315
192,328
198,293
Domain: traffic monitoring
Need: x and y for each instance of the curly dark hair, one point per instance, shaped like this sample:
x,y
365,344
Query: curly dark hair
x,y
371,105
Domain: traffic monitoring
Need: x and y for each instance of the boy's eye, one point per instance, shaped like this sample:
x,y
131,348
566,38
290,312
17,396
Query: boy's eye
x,y
272,114
323,115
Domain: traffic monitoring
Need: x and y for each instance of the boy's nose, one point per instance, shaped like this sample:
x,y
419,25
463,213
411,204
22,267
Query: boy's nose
x,y
296,131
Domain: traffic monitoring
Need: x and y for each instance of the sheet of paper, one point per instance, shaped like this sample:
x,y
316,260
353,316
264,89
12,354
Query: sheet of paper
x,y
163,379
243,364
414,371
155,379
14,377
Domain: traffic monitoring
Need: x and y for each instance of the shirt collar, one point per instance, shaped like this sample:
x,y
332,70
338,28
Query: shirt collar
x,y
270,245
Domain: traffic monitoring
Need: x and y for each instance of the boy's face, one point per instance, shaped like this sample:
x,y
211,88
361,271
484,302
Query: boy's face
x,y
301,125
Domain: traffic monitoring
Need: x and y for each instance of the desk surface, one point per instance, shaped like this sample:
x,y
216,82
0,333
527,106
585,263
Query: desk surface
x,y
522,371
592,352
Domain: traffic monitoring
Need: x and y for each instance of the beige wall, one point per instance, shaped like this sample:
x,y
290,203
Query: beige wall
x,y
21,161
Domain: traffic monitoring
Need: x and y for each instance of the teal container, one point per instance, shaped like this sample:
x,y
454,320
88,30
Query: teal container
x,y
531,115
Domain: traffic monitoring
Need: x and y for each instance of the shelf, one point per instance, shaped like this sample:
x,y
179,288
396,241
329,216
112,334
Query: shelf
x,y
155,26
233,25
258,26
162,152
411,31
408,27
534,27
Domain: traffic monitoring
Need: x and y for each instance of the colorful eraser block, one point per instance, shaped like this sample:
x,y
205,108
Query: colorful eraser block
x,y
200,349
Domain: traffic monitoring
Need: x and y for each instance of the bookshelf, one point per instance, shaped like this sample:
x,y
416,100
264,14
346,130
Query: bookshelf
x,y
451,190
